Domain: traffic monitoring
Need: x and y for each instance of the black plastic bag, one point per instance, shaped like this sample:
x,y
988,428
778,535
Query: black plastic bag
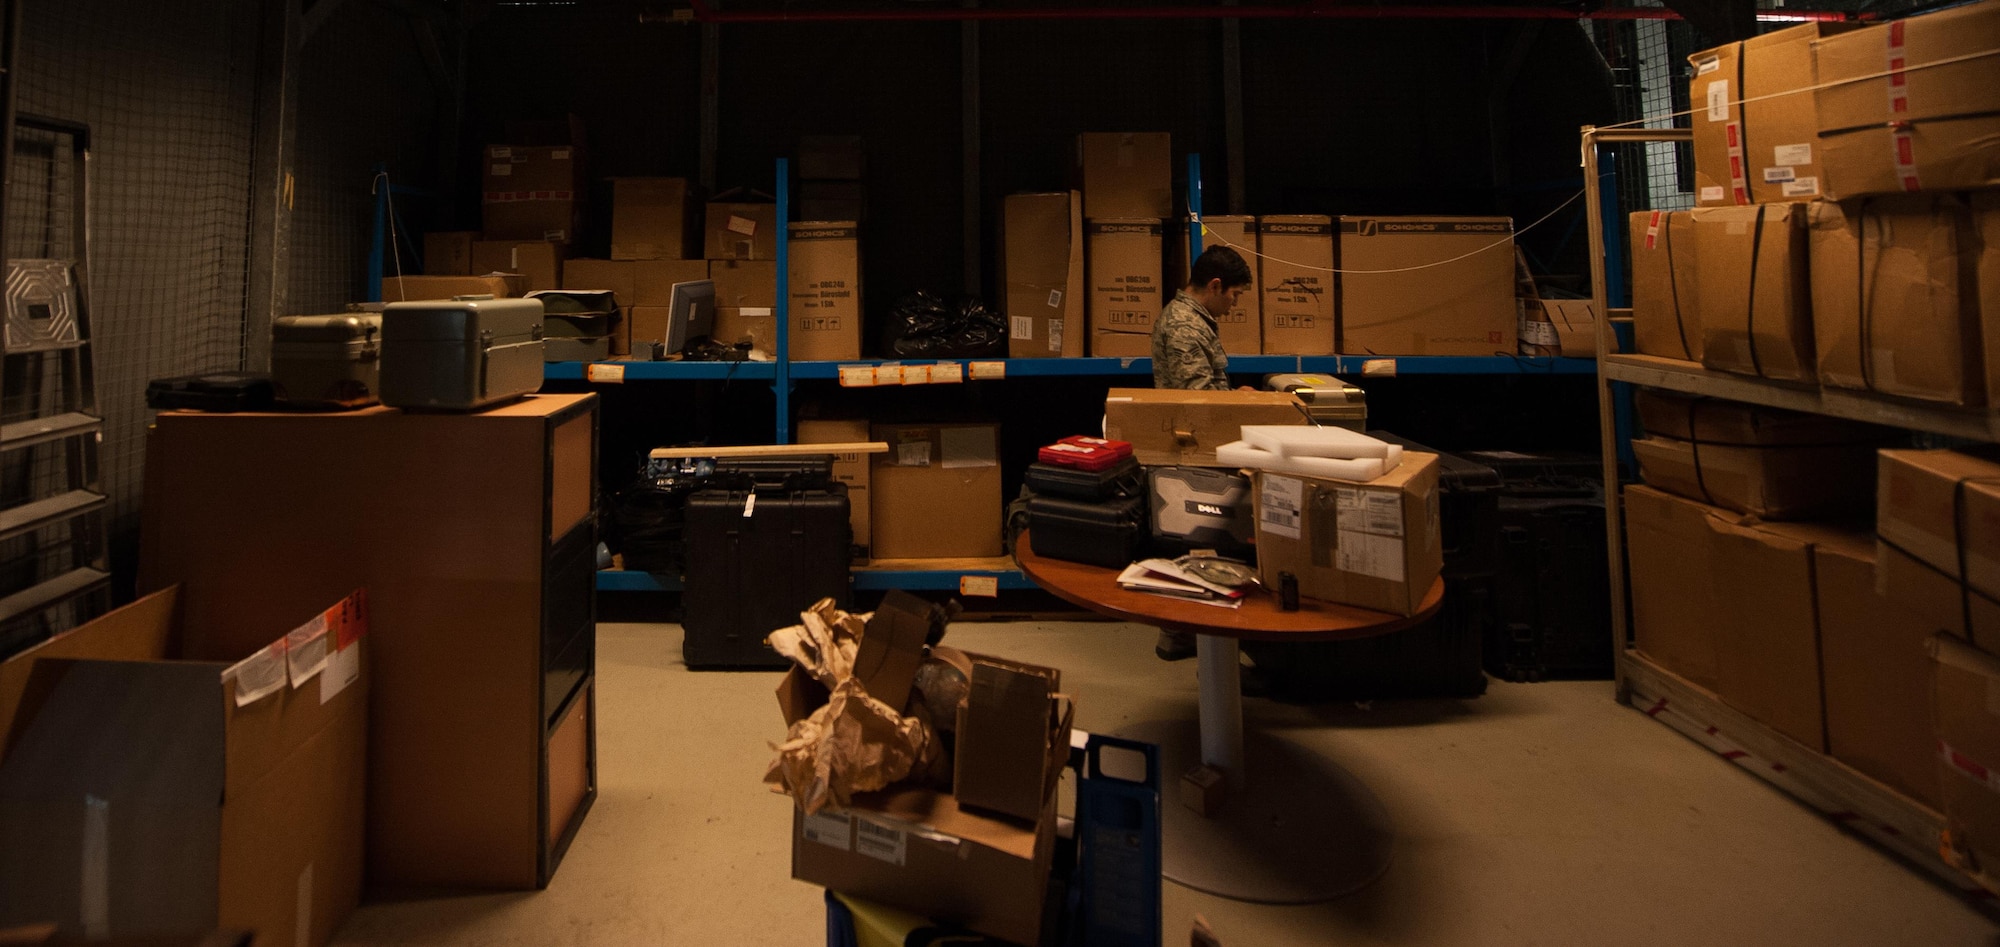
x,y
921,325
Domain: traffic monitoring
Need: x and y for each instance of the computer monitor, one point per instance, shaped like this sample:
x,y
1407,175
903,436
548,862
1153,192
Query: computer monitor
x,y
690,315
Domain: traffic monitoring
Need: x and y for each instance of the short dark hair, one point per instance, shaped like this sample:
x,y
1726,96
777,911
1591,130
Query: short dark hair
x,y
1220,263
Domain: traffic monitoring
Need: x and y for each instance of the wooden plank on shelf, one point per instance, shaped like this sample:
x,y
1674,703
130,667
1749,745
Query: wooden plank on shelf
x,y
1678,375
772,450
1856,802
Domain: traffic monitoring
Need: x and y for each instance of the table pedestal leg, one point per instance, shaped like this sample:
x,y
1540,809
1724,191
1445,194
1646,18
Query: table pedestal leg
x,y
1221,706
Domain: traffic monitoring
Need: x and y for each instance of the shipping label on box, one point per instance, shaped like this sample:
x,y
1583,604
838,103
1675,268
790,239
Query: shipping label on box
x,y
1041,260
1755,300
1298,284
1372,545
825,289
1125,267
1427,286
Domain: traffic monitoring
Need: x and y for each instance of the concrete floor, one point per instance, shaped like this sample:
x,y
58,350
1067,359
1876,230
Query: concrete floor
x,y
1538,814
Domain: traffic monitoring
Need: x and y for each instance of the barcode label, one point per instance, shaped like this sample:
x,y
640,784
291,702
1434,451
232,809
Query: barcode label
x,y
880,841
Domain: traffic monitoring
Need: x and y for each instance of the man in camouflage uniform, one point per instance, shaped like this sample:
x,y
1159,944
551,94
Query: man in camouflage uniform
x,y
1188,354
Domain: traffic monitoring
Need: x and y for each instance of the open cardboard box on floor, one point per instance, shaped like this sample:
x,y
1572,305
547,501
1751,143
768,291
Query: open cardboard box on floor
x,y
143,793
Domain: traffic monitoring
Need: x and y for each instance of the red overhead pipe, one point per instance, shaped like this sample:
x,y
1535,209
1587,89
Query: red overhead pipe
x,y
1321,10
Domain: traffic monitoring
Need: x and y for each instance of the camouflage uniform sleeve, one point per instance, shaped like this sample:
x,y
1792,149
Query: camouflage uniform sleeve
x,y
1181,361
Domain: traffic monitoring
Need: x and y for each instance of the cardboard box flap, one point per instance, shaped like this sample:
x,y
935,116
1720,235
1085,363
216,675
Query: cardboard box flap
x,y
141,631
893,646
940,813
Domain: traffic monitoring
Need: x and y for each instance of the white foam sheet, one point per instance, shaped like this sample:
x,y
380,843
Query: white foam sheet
x,y
1294,440
1241,454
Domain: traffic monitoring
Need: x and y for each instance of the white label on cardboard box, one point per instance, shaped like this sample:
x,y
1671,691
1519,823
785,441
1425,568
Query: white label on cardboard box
x,y
915,453
879,841
1279,505
961,447
832,829
1711,194
610,374
984,586
983,371
305,651
1718,100
1539,333
503,170
947,373
1055,299
499,152
1779,175
742,225
559,154
259,675
1368,554
1802,187
343,667
1792,155
1708,65
1023,327
1370,511
1055,335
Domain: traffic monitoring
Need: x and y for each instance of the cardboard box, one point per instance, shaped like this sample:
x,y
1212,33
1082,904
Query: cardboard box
x,y
1986,230
1241,330
1776,464
1169,426
831,200
1666,309
1126,174
653,280
1727,602
849,469
1887,130
741,231
539,264
915,849
735,324
1041,261
1461,307
651,218
892,646
1929,504
937,491
744,284
1371,545
832,158
617,276
1894,302
1298,284
449,252
1012,738
1558,327
533,192
825,290
407,288
1877,670
207,793
1756,303
1763,150
1967,743
1123,258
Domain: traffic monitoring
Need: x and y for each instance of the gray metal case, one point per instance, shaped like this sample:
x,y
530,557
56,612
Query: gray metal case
x,y
460,354
327,361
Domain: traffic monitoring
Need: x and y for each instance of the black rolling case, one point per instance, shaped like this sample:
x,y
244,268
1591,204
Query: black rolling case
x,y
214,391
1441,657
1122,479
763,542
1107,533
1554,596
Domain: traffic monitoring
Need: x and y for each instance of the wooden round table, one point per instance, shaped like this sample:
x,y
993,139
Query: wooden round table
x,y
1303,830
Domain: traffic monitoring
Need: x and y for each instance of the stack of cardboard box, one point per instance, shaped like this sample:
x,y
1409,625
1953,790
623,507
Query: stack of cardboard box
x,y
831,171
652,231
1127,184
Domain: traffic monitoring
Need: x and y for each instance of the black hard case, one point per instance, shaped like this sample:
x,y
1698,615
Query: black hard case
x,y
214,391
748,576
1122,479
1554,596
1106,533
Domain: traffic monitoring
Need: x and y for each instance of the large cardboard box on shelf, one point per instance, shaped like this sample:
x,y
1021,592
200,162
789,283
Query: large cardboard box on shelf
x,y
1041,262
1912,104
651,218
1297,281
1895,308
1763,149
1170,426
1772,463
937,491
1126,174
199,791
1937,514
532,192
1454,294
825,288
653,280
1727,602
1967,746
1372,545
916,849
1877,671
1756,304
1241,330
850,469
741,230
449,252
538,262
408,288
1666,309
1123,258
744,283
